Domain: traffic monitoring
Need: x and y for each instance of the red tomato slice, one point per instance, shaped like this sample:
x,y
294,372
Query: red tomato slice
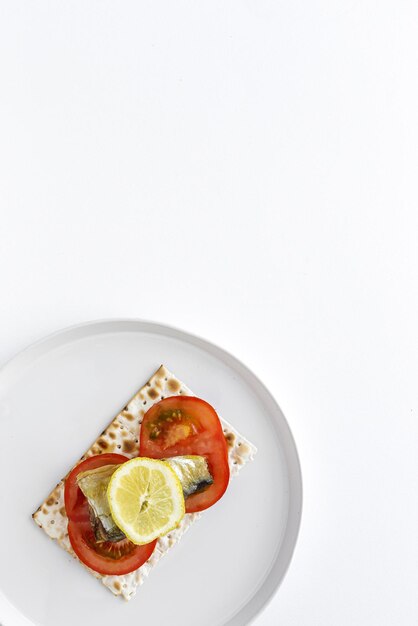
x,y
117,558
181,425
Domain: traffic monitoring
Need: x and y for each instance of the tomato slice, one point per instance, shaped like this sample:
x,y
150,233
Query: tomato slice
x,y
181,425
112,558
117,558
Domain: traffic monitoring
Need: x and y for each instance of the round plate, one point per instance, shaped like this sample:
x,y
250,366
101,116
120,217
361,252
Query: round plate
x,y
56,397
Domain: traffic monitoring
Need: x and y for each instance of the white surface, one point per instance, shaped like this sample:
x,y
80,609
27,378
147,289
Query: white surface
x,y
246,171
77,381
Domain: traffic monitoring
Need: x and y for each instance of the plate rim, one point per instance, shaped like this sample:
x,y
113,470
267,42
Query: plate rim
x,y
256,603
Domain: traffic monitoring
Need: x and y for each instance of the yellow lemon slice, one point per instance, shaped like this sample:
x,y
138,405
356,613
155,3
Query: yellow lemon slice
x,y
145,499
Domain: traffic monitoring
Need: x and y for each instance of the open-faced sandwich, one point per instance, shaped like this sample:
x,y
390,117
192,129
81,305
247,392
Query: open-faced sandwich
x,y
165,458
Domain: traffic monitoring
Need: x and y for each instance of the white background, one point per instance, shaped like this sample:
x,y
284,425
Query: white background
x,y
246,171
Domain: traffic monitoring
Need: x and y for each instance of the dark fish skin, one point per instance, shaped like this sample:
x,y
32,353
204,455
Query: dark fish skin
x,y
204,484
100,533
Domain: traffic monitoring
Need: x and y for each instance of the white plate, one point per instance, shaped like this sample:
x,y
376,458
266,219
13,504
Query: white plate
x,y
55,397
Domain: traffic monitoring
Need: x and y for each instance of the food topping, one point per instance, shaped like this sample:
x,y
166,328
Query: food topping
x,y
186,426
94,483
192,471
146,499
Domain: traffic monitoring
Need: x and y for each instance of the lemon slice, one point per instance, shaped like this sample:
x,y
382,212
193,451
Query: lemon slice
x,y
146,499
